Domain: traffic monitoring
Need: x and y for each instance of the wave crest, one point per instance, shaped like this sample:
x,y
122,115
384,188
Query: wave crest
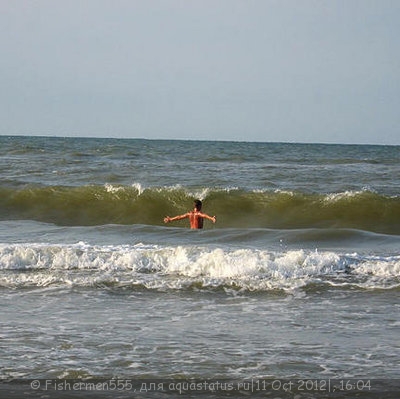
x,y
113,204
180,267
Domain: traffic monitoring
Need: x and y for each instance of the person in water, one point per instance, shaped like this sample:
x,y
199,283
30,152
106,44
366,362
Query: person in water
x,y
196,217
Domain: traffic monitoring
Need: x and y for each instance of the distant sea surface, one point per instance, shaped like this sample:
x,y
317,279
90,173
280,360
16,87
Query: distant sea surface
x,y
299,277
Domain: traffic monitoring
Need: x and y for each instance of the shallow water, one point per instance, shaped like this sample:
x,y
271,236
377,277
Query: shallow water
x,y
299,277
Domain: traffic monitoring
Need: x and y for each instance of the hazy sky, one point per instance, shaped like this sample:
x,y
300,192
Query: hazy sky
x,y
255,70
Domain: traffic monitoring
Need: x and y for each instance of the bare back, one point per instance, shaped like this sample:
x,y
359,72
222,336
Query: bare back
x,y
196,221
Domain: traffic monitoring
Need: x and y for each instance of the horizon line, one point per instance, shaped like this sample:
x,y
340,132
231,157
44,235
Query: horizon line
x,y
44,135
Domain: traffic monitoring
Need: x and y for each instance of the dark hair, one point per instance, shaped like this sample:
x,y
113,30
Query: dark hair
x,y
198,204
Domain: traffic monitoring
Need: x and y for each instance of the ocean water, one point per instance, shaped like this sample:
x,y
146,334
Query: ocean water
x,y
299,277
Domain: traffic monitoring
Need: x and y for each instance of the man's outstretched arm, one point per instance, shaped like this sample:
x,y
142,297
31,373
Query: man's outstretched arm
x,y
179,217
204,215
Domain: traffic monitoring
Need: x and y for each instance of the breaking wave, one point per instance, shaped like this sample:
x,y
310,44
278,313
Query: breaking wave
x,y
112,204
190,267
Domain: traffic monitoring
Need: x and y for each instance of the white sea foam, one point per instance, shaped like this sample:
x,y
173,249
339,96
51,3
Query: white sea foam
x,y
139,187
379,266
110,188
181,266
334,197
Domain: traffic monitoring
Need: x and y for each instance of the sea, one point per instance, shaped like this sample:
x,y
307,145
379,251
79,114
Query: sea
x,y
295,286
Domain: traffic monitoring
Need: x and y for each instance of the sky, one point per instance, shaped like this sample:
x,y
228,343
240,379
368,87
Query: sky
x,y
325,71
